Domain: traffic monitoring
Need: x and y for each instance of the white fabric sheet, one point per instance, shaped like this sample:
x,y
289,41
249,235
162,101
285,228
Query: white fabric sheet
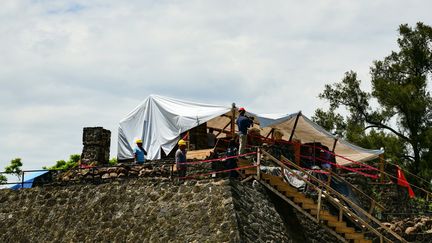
x,y
159,121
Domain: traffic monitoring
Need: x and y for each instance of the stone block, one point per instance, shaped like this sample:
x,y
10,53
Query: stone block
x,y
96,148
96,136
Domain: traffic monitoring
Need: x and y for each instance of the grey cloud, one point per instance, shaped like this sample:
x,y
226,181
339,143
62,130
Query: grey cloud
x,y
68,64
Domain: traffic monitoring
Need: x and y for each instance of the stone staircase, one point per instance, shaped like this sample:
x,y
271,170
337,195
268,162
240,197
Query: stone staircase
x,y
311,207
334,224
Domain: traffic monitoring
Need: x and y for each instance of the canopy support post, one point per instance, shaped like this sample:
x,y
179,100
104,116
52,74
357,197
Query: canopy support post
x,y
271,132
233,119
334,145
295,125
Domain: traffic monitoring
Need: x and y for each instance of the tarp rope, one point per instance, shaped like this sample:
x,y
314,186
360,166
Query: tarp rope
x,y
216,159
343,167
217,172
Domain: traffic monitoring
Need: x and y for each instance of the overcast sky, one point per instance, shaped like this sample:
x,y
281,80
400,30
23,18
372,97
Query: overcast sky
x,y
65,64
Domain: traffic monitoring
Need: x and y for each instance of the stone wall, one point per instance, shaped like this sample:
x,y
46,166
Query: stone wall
x,y
141,210
257,217
138,210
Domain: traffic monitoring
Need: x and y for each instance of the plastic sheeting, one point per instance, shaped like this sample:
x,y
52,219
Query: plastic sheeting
x,y
308,131
159,121
29,178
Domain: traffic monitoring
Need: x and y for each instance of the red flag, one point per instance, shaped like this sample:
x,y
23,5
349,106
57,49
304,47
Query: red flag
x,y
402,181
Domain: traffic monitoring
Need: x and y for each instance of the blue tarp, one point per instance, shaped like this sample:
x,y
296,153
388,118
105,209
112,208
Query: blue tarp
x,y
29,177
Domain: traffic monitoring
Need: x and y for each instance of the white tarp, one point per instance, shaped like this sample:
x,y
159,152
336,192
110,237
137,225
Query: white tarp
x,y
159,121
308,131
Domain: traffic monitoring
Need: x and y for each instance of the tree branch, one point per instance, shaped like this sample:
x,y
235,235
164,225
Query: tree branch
x,y
383,126
409,157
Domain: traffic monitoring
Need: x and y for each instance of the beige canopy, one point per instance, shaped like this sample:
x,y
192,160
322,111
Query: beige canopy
x,y
299,127
159,121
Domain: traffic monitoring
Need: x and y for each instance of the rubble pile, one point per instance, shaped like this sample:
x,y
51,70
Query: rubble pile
x,y
415,228
98,174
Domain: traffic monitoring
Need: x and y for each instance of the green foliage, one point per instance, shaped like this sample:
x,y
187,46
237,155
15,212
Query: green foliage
x,y
402,120
330,121
113,161
65,165
14,167
3,179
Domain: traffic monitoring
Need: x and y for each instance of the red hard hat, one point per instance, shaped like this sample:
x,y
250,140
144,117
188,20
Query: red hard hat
x,y
242,109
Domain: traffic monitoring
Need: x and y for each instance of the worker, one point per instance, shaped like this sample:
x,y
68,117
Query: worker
x,y
180,158
139,152
243,123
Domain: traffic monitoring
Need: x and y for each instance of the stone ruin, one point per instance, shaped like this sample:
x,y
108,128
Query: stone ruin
x,y
96,150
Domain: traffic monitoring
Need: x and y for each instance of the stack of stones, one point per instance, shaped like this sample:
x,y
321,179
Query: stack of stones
x,y
96,150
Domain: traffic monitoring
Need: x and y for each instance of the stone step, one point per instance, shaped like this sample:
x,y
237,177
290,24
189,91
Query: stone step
x,y
286,188
270,177
354,236
303,200
309,206
291,195
322,212
343,230
277,182
336,224
363,241
330,218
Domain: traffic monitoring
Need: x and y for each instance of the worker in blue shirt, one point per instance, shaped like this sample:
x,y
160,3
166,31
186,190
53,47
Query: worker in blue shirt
x,y
139,152
243,123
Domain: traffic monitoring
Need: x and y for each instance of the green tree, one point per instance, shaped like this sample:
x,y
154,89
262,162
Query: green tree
x,y
3,179
113,161
14,167
65,165
403,113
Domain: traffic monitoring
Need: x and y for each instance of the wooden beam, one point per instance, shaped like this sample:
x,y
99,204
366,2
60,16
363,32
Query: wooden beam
x,y
334,145
233,114
295,125
271,132
221,130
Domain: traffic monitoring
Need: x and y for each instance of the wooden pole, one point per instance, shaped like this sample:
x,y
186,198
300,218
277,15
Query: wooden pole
x,y
258,163
372,207
271,132
22,179
319,204
334,145
295,125
233,114
329,177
